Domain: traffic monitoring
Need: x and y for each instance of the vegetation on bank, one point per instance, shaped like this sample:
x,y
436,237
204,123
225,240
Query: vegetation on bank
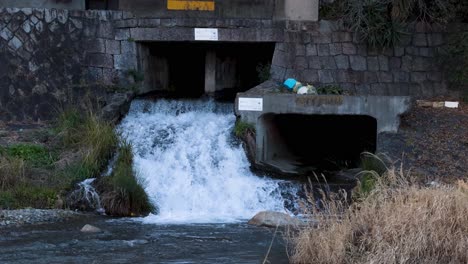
x,y
397,220
241,128
79,146
123,194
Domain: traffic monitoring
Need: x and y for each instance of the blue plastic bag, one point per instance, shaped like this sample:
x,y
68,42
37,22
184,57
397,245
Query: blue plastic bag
x,y
290,83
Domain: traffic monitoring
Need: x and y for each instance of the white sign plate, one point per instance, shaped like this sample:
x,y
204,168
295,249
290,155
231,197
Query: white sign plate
x,y
210,34
451,104
250,104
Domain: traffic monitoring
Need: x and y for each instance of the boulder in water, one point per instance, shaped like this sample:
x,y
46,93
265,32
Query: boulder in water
x,y
274,219
90,229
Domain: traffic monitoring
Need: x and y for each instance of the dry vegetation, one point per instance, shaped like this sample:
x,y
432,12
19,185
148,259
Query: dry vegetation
x,y
397,222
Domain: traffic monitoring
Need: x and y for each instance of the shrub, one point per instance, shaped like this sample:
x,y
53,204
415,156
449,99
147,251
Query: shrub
x,y
398,222
330,89
124,194
240,128
454,59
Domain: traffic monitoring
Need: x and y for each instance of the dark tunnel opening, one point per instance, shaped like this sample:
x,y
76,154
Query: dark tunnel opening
x,y
304,143
191,70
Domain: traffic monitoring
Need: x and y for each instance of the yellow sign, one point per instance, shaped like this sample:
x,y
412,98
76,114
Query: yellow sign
x,y
207,5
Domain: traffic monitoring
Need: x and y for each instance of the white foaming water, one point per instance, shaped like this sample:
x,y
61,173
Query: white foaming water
x,y
191,167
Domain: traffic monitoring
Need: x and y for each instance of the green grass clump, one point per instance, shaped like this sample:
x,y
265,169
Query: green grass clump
x,y
373,167
125,195
12,172
94,138
241,128
34,155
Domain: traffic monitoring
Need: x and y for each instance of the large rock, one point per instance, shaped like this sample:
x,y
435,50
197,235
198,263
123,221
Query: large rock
x,y
90,229
274,219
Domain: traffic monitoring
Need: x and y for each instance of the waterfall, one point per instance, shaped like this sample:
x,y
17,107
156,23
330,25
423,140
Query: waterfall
x,y
191,166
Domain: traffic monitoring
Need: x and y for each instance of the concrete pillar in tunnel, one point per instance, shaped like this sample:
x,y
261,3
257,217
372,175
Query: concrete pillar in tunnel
x,y
210,72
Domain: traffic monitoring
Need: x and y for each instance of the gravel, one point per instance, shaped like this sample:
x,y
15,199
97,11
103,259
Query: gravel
x,y
34,216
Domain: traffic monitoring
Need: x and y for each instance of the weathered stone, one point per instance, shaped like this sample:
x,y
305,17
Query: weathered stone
x,y
326,76
342,76
277,72
300,50
50,15
100,60
378,89
418,77
358,63
26,26
112,46
349,48
122,34
309,76
125,62
6,34
323,50
362,50
274,219
39,89
90,229
54,26
335,49
426,52
434,76
314,63
128,23
342,62
149,22
62,16
128,47
300,63
401,77
385,77
311,50
15,43
342,37
370,77
322,39
412,51
327,63
435,39
105,30
406,63
95,45
395,63
39,26
383,62
94,74
420,40
77,23
399,51
422,64
373,63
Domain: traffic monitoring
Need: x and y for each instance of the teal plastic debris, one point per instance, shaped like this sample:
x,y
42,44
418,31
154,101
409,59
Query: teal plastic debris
x,y
290,83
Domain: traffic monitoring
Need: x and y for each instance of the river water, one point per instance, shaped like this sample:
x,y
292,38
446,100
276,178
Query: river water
x,y
126,241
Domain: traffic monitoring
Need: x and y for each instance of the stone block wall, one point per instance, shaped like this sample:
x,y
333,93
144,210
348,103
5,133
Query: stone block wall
x,y
44,52
324,53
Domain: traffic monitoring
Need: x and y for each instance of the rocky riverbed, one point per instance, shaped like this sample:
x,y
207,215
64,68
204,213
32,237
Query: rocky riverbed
x,y
35,216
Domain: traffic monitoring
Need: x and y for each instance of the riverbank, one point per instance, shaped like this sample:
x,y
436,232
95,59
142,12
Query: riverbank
x,y
23,217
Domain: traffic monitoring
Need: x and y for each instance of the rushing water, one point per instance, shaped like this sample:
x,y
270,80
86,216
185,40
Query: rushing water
x,y
191,165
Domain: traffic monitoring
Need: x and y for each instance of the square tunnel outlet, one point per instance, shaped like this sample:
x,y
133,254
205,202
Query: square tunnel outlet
x,y
193,69
296,143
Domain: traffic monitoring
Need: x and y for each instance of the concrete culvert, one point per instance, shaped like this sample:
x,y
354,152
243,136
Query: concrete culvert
x,y
297,143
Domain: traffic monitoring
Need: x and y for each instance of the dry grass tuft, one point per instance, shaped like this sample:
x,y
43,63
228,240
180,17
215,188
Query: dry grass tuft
x,y
398,222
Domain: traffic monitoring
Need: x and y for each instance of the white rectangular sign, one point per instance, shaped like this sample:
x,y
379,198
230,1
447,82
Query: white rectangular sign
x,y
451,104
250,104
210,34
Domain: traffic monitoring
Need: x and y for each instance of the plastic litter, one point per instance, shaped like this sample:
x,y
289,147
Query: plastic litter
x,y
303,90
297,87
290,83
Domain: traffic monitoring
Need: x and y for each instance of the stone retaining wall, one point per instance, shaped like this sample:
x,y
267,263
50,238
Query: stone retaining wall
x,y
44,52
324,53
